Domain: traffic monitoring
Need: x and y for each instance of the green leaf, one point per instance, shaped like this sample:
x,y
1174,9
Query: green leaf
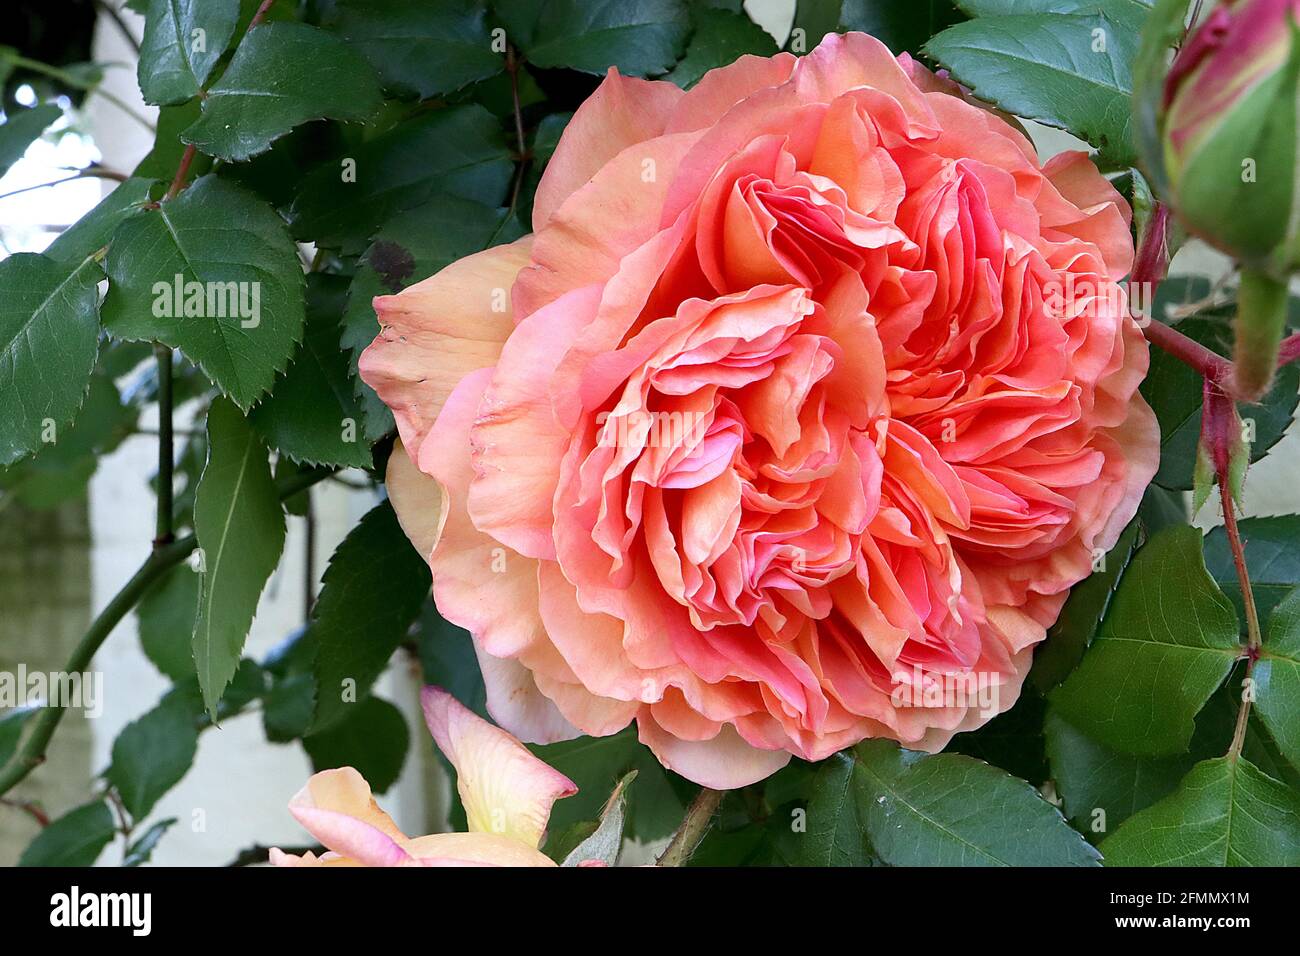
x,y
720,38
1272,561
1011,741
370,594
142,849
372,737
447,659
12,722
21,128
151,755
902,25
606,840
1167,642
459,151
93,230
1160,509
1045,67
418,48
1277,678
1081,617
1226,812
312,414
1101,787
836,834
1173,390
161,161
287,709
240,530
166,614
183,40
641,39
916,810
49,339
412,246
75,839
238,270
60,471
596,764
282,75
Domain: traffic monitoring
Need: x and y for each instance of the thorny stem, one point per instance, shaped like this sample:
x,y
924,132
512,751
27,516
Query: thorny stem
x,y
182,171
694,825
512,68
166,452
28,807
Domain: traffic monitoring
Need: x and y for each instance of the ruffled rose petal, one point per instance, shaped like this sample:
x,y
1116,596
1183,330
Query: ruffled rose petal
x,y
434,333
505,789
622,112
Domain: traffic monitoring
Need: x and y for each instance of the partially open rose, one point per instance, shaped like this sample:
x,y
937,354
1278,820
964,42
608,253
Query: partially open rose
x,y
807,401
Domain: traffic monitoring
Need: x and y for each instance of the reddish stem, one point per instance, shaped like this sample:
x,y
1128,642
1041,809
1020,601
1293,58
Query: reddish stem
x,y
1188,351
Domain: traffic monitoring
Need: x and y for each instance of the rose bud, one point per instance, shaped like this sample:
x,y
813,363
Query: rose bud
x,y
1230,154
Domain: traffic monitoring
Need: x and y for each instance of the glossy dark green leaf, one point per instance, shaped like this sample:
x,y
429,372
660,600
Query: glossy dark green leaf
x,y
1226,812
596,764
1065,70
74,839
282,75
1277,678
151,755
372,737
1081,617
421,49
836,835
240,529
312,414
410,247
950,810
1011,741
1101,787
718,38
460,151
182,42
49,339
240,298
447,659
1167,642
641,39
1272,561
370,594
167,613
902,25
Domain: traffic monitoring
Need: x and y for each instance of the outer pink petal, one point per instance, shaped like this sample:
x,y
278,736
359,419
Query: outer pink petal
x,y
621,113
351,838
725,762
504,788
474,849
517,442
434,333
418,500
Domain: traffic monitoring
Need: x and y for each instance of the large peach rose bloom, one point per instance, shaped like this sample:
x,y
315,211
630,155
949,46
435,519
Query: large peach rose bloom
x,y
811,392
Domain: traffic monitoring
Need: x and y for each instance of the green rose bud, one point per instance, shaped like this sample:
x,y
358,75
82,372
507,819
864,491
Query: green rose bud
x,y
1230,133
1231,148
